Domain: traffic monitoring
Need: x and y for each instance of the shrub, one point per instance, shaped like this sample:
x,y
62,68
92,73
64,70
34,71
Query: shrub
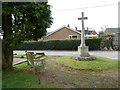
x,y
116,47
94,44
67,44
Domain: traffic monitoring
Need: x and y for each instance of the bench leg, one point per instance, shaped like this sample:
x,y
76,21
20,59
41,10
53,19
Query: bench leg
x,y
39,77
28,62
38,74
43,67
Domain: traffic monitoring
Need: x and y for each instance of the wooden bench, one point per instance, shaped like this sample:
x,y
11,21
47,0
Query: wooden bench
x,y
37,62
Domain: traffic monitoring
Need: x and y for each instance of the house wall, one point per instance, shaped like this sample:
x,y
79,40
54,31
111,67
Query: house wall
x,y
62,34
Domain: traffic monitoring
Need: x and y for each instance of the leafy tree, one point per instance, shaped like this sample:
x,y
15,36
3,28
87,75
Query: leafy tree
x,y
22,21
107,42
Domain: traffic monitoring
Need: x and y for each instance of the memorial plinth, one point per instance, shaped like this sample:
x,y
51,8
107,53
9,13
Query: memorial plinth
x,y
83,49
83,54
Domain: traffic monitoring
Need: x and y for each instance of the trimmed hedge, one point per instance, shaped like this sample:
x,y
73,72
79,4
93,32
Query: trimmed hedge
x,y
67,44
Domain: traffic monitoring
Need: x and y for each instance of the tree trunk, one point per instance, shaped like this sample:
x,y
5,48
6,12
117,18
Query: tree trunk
x,y
7,57
7,50
0,54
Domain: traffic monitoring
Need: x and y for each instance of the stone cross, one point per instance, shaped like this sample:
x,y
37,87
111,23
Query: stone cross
x,y
83,30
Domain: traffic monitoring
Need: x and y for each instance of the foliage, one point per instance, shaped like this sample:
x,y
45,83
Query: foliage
x,y
22,21
99,64
116,47
29,20
22,78
107,41
94,44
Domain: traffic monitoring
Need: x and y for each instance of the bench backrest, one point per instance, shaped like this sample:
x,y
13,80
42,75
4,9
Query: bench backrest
x,y
43,54
30,58
36,62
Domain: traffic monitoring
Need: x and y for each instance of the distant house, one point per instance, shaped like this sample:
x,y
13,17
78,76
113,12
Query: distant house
x,y
90,33
111,31
66,33
91,36
63,33
115,32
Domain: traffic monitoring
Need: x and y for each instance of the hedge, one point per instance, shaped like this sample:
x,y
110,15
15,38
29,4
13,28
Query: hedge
x,y
67,44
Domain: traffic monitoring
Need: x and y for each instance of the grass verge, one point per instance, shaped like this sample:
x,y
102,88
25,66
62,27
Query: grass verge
x,y
99,64
22,77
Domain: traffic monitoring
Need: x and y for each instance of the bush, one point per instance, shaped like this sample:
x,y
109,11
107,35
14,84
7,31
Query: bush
x,y
116,47
94,44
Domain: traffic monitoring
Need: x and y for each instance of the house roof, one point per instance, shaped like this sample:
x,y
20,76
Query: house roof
x,y
112,30
61,28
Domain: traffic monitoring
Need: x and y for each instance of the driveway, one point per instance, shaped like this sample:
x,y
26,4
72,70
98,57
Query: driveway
x,y
107,54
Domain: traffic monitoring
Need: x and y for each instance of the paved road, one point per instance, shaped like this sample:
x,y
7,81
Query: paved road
x,y
107,54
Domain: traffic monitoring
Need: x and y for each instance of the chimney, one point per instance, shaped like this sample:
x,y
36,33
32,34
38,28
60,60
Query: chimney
x,y
87,31
87,28
68,26
75,28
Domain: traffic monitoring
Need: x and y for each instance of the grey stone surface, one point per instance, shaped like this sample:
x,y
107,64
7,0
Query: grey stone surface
x,y
106,54
83,51
78,57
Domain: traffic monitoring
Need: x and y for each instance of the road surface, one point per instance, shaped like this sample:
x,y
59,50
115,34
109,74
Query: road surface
x,y
107,54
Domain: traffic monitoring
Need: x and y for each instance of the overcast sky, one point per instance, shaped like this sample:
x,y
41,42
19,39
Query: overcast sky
x,y
66,12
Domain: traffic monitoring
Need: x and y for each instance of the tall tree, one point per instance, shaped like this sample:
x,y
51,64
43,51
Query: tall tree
x,y
22,21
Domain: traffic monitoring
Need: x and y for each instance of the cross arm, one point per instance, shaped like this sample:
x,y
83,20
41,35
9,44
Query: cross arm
x,y
83,18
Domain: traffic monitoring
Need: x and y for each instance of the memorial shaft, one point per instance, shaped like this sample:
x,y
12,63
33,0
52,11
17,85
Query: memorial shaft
x,y
83,30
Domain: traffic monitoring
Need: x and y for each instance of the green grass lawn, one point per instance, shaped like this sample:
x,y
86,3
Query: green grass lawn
x,y
23,77
21,56
20,77
99,64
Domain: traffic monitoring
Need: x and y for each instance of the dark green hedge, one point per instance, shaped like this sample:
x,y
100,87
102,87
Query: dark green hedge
x,y
94,44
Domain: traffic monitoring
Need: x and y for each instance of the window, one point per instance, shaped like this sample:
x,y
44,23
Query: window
x,y
73,36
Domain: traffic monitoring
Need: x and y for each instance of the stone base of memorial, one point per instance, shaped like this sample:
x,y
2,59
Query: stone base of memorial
x,y
77,57
83,54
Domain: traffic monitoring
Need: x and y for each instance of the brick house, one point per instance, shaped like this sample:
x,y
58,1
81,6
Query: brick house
x,y
65,33
90,33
